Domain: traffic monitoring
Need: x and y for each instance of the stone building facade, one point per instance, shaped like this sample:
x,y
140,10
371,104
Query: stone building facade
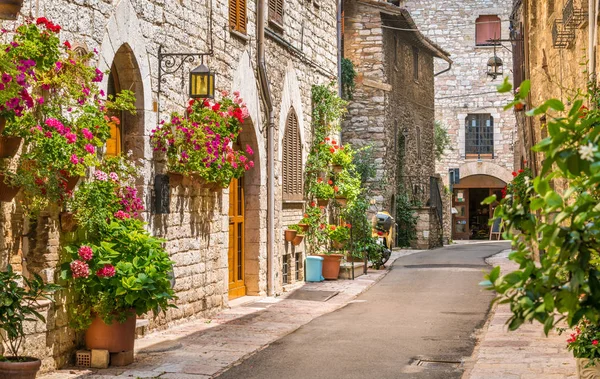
x,y
483,135
301,51
392,107
556,64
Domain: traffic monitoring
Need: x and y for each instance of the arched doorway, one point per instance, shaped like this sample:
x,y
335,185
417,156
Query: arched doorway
x,y
245,239
129,133
469,217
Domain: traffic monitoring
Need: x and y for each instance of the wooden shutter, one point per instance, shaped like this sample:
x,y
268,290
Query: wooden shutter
x,y
276,11
292,159
237,15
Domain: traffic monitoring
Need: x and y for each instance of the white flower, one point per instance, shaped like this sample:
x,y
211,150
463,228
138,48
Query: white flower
x,y
527,181
587,152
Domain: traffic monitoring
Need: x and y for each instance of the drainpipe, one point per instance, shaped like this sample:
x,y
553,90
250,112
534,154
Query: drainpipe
x,y
268,103
339,55
446,70
592,17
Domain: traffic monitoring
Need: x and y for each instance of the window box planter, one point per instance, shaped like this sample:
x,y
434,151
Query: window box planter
x,y
9,146
290,235
7,191
298,239
25,368
9,9
342,201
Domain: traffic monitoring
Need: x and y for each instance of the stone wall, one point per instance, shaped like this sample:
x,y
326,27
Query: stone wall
x,y
129,33
466,88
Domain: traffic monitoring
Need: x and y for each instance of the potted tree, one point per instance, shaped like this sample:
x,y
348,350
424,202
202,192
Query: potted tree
x,y
18,305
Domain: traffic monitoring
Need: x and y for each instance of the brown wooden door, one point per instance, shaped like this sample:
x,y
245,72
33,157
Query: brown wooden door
x,y
237,286
460,220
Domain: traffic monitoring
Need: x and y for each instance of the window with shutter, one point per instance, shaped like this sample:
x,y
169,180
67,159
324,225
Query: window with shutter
x,y
237,15
292,159
276,12
488,28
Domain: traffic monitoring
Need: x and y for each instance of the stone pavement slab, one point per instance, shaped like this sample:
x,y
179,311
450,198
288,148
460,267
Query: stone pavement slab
x,y
204,347
522,354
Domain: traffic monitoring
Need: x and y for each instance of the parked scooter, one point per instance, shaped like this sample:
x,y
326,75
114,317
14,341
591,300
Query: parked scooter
x,y
383,231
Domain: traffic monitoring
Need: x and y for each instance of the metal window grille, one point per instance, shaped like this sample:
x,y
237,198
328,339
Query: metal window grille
x,y
276,11
237,15
574,14
284,269
479,139
292,159
298,267
562,35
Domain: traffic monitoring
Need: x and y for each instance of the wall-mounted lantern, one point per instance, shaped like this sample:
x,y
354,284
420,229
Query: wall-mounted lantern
x,y
495,67
202,83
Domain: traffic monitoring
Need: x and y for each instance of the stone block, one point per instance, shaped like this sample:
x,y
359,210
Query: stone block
x,y
100,358
123,358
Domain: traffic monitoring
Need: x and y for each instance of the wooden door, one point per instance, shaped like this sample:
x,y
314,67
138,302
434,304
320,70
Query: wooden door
x,y
237,287
460,220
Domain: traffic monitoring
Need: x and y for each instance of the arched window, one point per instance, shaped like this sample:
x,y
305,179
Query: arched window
x,y
292,159
114,145
487,30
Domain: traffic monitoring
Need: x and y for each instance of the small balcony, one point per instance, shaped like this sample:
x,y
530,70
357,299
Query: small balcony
x,y
574,14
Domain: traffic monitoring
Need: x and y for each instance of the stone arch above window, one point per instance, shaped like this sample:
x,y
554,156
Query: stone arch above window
x,y
292,159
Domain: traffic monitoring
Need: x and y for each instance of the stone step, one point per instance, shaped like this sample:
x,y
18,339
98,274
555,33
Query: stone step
x,y
346,270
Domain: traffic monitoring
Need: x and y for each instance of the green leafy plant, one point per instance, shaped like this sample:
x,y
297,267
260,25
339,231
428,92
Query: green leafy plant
x,y
583,342
201,143
342,156
123,270
348,78
558,249
339,233
348,186
406,220
323,190
441,140
18,298
296,228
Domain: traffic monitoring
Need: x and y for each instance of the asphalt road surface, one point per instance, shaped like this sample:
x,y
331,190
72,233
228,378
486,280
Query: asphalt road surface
x,y
424,311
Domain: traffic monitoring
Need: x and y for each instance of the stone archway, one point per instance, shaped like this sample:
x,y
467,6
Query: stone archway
x,y
485,168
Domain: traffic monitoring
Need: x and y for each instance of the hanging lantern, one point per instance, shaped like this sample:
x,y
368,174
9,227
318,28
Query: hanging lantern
x,y
9,9
495,67
202,83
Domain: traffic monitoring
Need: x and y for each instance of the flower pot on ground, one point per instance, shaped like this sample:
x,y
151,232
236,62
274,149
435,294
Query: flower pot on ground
x,y
331,265
298,239
9,146
7,191
115,337
9,9
21,368
290,235
17,305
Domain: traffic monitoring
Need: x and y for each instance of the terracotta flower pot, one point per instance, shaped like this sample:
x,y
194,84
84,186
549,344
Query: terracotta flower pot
x,y
337,168
2,121
7,192
68,222
341,201
322,202
175,178
19,370
338,245
290,235
331,265
115,337
591,372
72,182
304,227
298,239
9,9
9,146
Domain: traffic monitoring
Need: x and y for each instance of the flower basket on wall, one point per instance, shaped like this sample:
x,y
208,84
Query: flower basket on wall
x,y
9,9
68,223
322,202
7,191
338,245
290,235
304,227
9,146
298,239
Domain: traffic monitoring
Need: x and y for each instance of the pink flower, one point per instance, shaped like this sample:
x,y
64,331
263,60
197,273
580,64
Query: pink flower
x,y
71,137
246,167
58,66
40,100
236,93
101,175
113,176
121,215
85,252
90,149
87,134
595,342
80,269
108,271
74,159
251,164
224,93
249,150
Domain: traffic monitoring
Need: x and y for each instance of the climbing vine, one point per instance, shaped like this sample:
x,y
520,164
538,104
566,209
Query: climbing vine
x,y
442,140
348,77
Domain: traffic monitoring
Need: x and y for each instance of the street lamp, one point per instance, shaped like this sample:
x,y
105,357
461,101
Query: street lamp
x,y
495,66
202,83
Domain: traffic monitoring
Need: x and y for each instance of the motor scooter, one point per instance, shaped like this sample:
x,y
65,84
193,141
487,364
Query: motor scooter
x,y
383,232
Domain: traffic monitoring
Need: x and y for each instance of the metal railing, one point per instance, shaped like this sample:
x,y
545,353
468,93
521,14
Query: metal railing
x,y
436,199
417,189
574,15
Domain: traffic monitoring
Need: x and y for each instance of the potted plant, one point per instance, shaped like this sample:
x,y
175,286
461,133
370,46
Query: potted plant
x,y
584,344
299,234
8,188
18,301
117,269
323,191
203,143
290,234
331,264
9,9
339,235
342,158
